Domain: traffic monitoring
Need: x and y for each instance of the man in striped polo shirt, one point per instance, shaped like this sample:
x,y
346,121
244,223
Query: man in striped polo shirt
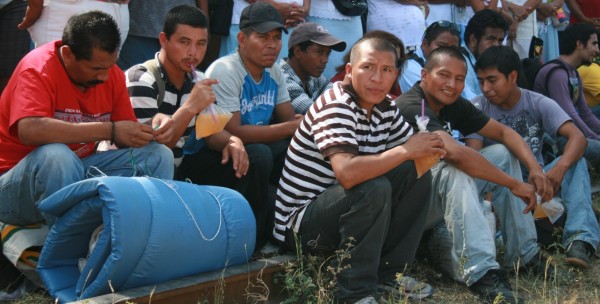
x,y
349,178
220,159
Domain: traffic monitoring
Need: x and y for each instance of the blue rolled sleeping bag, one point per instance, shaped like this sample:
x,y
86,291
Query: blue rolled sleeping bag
x,y
154,230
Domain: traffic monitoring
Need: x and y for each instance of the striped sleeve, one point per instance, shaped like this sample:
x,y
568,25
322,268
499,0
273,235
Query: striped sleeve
x,y
143,92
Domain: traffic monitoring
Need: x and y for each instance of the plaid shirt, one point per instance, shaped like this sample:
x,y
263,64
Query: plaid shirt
x,y
301,99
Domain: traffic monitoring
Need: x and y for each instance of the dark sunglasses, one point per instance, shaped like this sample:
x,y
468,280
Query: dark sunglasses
x,y
444,24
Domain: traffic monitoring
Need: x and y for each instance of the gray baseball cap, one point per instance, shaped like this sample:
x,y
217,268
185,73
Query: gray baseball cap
x,y
309,31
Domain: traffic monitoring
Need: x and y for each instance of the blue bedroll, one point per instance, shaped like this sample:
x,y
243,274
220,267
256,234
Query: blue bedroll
x,y
154,230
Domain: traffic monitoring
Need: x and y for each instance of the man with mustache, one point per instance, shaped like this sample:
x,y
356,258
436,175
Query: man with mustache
x,y
560,81
62,99
252,87
219,159
309,47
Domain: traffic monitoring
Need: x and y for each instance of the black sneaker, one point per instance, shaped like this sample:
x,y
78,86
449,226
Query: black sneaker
x,y
579,253
493,287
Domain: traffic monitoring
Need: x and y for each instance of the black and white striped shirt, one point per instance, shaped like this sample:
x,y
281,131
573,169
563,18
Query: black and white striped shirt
x,y
334,123
143,92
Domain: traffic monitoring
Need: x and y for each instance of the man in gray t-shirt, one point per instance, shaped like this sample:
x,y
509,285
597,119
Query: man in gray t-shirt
x,y
531,114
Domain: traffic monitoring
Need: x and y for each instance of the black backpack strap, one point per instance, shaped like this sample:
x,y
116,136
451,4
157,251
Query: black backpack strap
x,y
558,64
152,67
413,56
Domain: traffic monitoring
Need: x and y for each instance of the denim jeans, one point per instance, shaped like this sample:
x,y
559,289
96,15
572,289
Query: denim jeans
x,y
457,201
51,167
384,216
591,153
576,196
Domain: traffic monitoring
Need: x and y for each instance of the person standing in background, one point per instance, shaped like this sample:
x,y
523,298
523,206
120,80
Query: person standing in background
x,y
524,26
585,11
11,14
547,27
46,20
347,28
404,18
146,23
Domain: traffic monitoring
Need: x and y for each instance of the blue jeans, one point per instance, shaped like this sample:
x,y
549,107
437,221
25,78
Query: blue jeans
x,y
577,198
591,153
51,167
456,200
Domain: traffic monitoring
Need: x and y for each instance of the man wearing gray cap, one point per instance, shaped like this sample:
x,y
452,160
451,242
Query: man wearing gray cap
x,y
309,47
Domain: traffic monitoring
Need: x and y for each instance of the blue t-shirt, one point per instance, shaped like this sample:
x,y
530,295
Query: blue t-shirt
x,y
238,92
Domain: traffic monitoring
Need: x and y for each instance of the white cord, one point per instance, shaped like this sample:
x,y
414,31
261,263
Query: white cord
x,y
174,188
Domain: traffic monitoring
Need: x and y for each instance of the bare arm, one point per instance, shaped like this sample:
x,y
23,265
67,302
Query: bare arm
x,y
32,14
517,146
579,15
346,165
203,6
576,144
232,148
38,131
522,11
475,165
288,123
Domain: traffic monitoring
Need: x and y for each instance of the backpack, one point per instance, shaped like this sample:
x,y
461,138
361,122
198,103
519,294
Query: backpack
x,y
531,67
413,56
152,67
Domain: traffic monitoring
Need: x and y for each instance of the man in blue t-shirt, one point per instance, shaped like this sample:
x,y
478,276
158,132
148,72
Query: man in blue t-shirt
x,y
252,87
531,114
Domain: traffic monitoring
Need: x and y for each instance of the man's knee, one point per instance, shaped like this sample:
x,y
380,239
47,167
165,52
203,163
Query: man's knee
x,y
56,157
377,193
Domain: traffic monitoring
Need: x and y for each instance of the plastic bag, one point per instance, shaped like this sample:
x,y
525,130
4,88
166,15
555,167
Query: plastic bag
x,y
551,209
211,120
425,163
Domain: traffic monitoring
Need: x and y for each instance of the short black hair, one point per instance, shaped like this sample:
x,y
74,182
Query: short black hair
x,y
303,46
378,44
93,29
480,21
436,57
184,14
573,33
393,39
501,57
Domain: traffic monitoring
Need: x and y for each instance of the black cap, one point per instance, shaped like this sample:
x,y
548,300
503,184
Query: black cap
x,y
261,17
309,31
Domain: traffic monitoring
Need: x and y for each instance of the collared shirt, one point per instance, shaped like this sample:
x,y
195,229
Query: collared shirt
x,y
302,99
411,72
335,123
143,92
471,89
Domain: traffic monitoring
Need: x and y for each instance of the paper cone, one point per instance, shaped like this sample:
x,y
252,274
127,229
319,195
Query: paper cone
x,y
209,124
425,163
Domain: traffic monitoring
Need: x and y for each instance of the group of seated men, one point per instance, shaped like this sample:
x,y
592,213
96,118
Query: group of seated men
x,y
321,168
